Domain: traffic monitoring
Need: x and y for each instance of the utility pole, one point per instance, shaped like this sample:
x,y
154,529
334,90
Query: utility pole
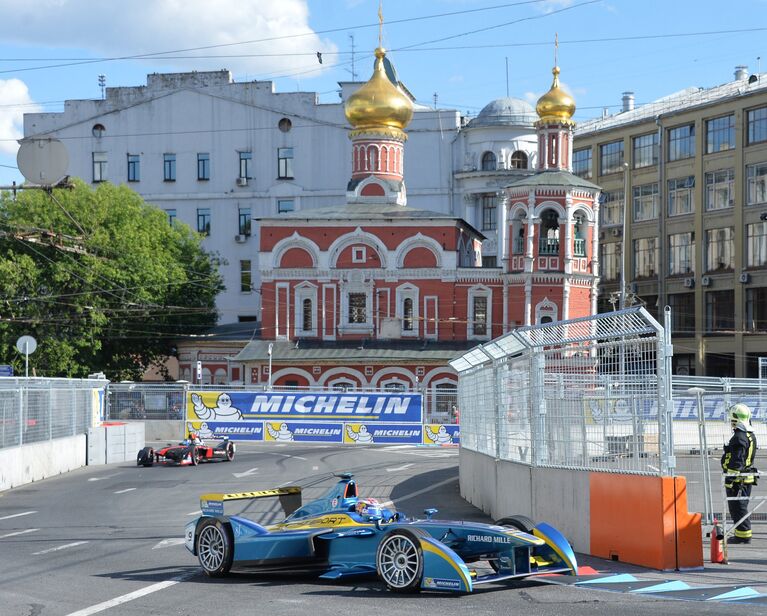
x,y
103,85
353,71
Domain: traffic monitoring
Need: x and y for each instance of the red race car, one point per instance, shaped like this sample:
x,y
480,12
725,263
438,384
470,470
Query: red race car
x,y
190,451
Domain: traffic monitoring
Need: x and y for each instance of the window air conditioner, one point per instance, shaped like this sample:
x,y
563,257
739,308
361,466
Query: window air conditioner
x,y
705,281
745,277
242,181
689,282
240,239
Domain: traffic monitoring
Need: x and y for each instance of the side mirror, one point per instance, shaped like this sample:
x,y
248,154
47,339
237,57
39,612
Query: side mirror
x,y
430,512
377,520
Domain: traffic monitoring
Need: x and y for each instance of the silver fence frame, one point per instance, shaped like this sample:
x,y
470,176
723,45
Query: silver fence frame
x,y
592,393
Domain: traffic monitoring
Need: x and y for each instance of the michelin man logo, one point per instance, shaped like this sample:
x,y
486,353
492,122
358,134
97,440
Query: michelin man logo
x,y
361,435
281,433
222,411
202,429
440,437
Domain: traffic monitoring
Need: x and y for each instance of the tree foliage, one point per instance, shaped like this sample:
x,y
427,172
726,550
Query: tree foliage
x,y
100,279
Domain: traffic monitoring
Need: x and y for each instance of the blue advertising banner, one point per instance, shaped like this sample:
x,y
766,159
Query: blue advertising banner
x,y
303,431
382,433
302,406
441,434
235,430
600,410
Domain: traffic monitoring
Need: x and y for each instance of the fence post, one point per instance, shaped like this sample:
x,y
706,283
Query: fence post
x,y
665,401
21,414
538,408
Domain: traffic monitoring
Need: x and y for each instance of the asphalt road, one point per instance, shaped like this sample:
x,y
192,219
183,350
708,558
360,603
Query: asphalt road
x,y
108,539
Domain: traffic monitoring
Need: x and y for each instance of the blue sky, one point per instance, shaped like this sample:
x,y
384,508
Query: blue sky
x,y
54,50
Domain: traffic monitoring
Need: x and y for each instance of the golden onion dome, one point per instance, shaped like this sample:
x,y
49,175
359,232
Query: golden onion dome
x,y
379,104
556,105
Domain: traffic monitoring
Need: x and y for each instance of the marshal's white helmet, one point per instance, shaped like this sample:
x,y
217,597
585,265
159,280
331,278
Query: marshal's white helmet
x,y
740,416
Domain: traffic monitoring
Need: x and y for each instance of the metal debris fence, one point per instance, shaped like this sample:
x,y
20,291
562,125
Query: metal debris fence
x,y
41,409
590,393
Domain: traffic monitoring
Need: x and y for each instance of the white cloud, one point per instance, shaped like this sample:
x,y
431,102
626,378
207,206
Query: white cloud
x,y
112,28
553,5
16,102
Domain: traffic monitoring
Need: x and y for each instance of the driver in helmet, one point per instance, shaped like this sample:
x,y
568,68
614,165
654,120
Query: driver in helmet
x,y
194,438
738,467
367,507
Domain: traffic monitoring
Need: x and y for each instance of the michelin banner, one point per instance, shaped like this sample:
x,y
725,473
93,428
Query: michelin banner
x,y
325,417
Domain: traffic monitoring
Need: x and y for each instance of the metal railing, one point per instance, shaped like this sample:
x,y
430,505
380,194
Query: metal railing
x,y
40,409
548,246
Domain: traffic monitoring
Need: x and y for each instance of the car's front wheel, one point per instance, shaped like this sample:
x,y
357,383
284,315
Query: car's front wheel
x,y
399,561
229,452
145,457
194,456
215,548
517,522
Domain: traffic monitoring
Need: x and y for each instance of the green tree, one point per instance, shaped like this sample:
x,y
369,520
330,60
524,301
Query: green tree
x,y
100,279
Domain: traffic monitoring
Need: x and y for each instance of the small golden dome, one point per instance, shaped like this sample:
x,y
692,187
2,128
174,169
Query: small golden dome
x,y
556,105
379,104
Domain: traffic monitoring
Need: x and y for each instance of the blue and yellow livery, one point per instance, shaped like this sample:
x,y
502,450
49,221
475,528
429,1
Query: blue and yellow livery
x,y
341,535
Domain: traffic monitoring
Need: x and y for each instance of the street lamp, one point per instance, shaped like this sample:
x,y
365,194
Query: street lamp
x,y
623,235
269,382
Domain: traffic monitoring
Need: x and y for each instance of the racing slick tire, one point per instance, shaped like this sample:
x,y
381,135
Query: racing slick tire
x,y
229,452
215,547
194,456
145,457
399,560
519,522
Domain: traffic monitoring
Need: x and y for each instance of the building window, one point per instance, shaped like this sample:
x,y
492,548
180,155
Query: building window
x,y
756,245
358,308
646,257
285,205
479,315
681,142
243,221
491,261
756,309
646,151
307,314
284,125
488,161
611,157
169,167
98,130
611,206
680,196
246,276
359,254
407,314
203,166
285,163
246,162
99,166
489,220
720,134
519,160
757,125
756,183
134,168
610,260
171,216
681,253
645,202
682,313
582,163
720,311
720,249
719,189
203,220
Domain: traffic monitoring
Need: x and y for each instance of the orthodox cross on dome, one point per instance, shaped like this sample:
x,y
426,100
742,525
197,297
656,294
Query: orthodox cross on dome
x,y
556,46
380,23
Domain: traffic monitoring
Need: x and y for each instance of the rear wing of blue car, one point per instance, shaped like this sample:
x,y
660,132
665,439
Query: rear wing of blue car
x,y
213,504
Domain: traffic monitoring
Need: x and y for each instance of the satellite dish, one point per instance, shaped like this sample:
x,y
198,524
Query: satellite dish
x,y
26,345
43,161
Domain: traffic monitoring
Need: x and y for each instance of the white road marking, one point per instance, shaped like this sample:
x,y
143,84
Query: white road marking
x,y
104,477
315,468
439,484
399,468
136,594
166,543
19,532
391,447
125,490
17,515
198,512
287,455
248,473
61,547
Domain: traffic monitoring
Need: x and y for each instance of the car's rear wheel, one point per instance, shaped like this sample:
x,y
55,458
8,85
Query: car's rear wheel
x,y
145,457
215,548
399,561
517,522
229,452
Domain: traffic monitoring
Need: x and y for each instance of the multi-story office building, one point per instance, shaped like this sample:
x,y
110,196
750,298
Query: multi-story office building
x,y
684,217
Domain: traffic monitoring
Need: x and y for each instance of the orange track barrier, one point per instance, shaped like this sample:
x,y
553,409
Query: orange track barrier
x,y
644,521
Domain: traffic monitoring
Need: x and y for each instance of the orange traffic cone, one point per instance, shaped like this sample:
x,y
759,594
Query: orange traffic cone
x,y
716,534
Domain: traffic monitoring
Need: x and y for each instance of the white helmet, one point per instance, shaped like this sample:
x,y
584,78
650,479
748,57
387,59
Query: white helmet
x,y
740,416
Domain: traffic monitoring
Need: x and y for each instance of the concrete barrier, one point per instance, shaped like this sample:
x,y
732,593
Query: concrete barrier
x,y
115,441
170,430
36,461
634,519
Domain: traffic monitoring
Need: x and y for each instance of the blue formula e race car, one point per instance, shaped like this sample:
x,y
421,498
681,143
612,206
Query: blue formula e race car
x,y
341,535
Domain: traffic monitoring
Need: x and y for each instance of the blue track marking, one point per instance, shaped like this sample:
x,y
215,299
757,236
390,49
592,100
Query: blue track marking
x,y
610,579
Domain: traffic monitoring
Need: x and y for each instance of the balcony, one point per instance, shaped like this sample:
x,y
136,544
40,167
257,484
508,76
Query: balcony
x,y
548,246
518,246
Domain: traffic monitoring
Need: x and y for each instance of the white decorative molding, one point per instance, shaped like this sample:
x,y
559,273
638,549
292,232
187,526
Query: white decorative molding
x,y
418,241
295,241
358,236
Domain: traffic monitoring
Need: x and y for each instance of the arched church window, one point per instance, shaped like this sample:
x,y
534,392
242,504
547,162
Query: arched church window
x,y
407,314
488,161
372,159
549,241
519,160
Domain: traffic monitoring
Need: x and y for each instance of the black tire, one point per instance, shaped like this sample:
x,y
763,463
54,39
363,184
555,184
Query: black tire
x,y
145,457
194,456
229,452
519,522
215,547
399,561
